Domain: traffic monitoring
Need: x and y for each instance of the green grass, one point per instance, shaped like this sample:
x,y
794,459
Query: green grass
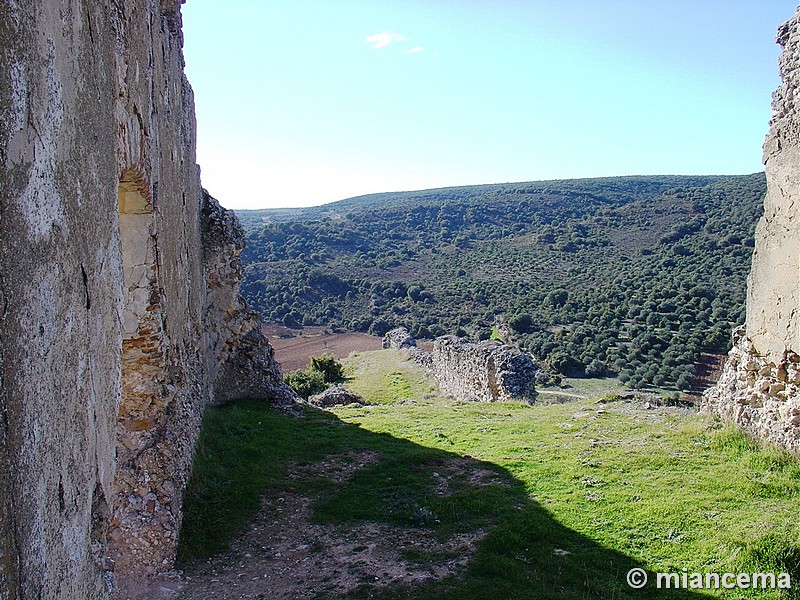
x,y
387,377
495,335
579,492
585,388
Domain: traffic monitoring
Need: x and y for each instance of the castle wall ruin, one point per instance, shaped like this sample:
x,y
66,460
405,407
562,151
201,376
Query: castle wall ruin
x,y
487,371
760,386
120,317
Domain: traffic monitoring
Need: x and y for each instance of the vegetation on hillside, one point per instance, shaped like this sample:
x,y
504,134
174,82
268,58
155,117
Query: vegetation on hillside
x,y
322,371
635,276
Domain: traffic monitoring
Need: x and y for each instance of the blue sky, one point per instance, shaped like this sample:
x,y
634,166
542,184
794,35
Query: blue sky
x,y
302,102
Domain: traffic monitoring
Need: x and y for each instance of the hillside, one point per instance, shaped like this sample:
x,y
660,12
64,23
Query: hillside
x,y
630,275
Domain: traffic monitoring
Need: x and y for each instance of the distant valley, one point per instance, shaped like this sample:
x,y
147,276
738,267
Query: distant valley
x,y
629,276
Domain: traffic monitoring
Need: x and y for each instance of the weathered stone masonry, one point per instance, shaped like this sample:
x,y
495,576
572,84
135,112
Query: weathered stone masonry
x,y
119,312
240,359
486,371
760,385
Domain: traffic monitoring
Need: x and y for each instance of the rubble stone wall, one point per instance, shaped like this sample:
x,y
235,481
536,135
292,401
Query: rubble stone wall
x,y
398,338
241,361
760,395
158,194
758,389
486,371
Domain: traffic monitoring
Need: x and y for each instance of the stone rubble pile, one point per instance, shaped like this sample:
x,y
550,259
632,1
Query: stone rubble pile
x,y
398,338
336,395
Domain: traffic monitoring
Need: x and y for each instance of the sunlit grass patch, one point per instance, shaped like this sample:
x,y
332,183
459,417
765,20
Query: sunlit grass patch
x,y
386,377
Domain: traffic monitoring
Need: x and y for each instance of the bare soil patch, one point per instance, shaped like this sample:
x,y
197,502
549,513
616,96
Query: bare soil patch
x,y
453,474
284,555
293,347
708,373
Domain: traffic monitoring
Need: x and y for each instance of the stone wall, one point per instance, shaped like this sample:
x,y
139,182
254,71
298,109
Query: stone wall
x,y
60,277
398,338
773,299
486,371
758,389
162,348
241,361
759,394
117,325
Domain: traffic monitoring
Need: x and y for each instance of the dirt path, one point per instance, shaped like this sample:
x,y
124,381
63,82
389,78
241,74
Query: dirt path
x,y
559,393
283,555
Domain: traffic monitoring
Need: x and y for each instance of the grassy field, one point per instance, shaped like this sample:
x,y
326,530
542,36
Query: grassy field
x,y
571,495
387,377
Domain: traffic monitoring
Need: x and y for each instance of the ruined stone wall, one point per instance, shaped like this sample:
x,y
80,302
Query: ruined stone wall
x,y
398,338
162,354
115,331
486,371
759,386
61,297
773,299
241,361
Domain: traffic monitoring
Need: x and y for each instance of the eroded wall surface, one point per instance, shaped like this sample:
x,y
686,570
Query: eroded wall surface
x,y
61,297
115,330
485,371
163,354
773,300
241,361
760,386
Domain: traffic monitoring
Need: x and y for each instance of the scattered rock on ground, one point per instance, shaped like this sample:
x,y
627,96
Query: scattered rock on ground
x,y
336,395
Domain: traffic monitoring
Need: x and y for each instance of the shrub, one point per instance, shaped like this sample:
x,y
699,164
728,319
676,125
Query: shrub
x,y
596,368
521,323
566,364
379,327
544,378
685,381
328,366
305,383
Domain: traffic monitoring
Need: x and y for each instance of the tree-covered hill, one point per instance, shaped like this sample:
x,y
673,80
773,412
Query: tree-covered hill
x,y
628,275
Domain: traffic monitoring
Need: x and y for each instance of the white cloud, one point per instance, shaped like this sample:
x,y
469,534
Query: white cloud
x,y
383,39
416,50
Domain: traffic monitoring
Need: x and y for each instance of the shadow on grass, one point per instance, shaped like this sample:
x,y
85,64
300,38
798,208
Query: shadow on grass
x,y
245,450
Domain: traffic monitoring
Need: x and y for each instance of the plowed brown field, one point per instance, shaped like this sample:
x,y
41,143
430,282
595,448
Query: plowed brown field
x,y
293,347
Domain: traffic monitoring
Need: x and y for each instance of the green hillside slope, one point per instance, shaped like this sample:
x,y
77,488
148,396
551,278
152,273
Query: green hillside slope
x,y
629,275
